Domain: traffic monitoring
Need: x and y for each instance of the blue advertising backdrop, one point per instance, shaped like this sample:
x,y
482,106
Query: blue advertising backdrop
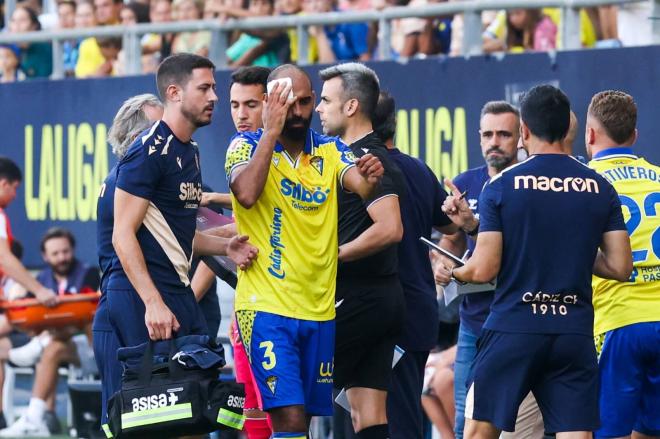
x,y
56,130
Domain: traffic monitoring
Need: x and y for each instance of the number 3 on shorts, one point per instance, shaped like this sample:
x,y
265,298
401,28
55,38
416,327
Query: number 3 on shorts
x,y
269,355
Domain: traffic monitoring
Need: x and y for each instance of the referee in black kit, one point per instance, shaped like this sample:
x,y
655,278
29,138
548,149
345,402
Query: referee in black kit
x,y
369,300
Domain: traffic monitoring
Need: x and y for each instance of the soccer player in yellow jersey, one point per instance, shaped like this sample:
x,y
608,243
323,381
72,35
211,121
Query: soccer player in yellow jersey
x,y
285,180
627,314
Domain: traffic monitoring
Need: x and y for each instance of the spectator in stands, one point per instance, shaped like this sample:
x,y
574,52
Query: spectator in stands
x,y
98,57
295,7
419,36
85,14
66,14
349,42
90,57
319,46
36,58
157,47
190,42
10,264
604,19
66,275
254,50
133,13
66,18
10,64
526,29
110,49
588,32
107,11
438,394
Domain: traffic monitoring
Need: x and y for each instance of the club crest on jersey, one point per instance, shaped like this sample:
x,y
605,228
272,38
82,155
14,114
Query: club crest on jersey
x,y
317,163
235,144
271,382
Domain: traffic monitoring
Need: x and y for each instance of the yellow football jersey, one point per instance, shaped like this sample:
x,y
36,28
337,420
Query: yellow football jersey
x,y
294,226
637,181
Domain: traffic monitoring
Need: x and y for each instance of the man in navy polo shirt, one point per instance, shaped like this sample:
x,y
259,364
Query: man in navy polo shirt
x,y
499,127
157,192
136,115
542,223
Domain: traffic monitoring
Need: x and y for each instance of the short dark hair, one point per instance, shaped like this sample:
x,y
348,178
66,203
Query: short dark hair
x,y
57,232
140,10
359,82
251,75
384,120
177,69
9,170
616,111
546,111
109,42
498,107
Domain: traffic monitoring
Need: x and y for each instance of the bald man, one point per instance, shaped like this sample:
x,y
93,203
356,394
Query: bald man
x,y
285,180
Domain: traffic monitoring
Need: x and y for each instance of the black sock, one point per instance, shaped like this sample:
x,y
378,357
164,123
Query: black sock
x,y
374,432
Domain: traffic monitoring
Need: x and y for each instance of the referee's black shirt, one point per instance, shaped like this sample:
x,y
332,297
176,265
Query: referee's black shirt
x,y
354,218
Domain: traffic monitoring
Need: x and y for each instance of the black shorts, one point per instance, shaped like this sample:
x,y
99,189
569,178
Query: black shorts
x,y
369,320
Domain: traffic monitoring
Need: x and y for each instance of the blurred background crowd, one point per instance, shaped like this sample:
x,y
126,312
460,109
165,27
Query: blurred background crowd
x,y
510,31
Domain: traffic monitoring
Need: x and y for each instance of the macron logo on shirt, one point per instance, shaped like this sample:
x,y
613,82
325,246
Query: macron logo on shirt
x,y
555,184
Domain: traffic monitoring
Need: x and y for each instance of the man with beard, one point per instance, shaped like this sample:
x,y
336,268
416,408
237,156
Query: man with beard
x,y
499,130
246,93
156,195
370,302
285,179
65,275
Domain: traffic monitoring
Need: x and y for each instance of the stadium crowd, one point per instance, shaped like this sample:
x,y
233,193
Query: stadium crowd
x,y
512,31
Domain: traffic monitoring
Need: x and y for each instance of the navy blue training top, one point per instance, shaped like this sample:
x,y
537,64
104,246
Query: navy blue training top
x,y
162,169
420,211
552,211
104,223
474,307
107,256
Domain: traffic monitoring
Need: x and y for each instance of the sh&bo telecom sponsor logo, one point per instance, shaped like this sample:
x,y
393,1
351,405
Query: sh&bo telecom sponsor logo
x,y
303,198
